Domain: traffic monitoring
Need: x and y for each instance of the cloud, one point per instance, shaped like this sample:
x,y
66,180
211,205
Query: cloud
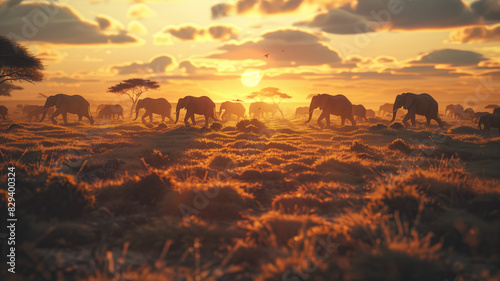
x,y
137,28
488,9
368,16
339,21
189,68
285,48
58,24
156,65
108,23
51,55
194,32
450,57
268,7
476,34
140,11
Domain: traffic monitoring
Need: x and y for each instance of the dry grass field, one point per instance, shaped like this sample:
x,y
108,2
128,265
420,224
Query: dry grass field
x,y
257,200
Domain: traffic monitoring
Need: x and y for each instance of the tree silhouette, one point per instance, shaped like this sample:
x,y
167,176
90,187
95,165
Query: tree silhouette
x,y
133,88
6,88
272,93
17,64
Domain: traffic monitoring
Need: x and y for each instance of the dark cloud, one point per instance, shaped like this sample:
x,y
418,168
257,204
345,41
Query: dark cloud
x,y
285,48
156,65
59,24
220,10
266,7
488,9
476,34
194,32
103,22
368,16
339,21
451,57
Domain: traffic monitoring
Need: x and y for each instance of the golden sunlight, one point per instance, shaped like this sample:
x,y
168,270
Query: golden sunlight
x,y
251,78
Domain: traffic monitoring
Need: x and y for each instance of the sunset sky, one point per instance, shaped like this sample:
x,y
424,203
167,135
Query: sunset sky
x,y
367,50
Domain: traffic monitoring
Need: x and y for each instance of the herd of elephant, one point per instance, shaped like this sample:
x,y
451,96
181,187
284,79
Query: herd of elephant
x,y
339,105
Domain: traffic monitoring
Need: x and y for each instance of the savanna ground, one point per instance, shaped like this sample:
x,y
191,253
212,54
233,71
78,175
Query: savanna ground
x,y
122,201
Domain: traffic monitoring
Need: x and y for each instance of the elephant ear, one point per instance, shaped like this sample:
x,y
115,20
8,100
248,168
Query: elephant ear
x,y
408,100
59,100
322,101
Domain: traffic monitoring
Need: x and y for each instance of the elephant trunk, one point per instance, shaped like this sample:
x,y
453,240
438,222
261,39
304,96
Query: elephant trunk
x,y
44,113
394,111
176,116
136,114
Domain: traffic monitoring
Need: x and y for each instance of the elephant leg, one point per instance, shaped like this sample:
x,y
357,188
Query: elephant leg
x,y
413,120
428,120
320,118
65,117
193,119
405,120
54,115
80,117
342,120
353,122
206,120
143,118
151,117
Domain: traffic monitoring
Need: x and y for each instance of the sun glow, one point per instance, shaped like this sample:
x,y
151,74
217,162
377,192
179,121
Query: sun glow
x,y
251,78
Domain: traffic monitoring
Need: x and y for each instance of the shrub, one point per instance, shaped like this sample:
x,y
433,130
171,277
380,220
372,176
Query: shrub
x,y
61,197
400,145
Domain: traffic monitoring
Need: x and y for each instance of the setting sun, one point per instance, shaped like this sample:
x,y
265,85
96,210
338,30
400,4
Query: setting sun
x,y
251,78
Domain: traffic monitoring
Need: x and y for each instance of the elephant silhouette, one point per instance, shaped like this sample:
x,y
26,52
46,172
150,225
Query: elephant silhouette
x,y
422,104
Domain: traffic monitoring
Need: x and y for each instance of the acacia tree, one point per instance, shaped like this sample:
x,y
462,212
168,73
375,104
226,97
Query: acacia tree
x,y
272,93
17,64
133,88
7,88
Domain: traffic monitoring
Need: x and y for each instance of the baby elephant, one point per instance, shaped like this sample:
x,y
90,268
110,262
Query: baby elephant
x,y
489,121
109,110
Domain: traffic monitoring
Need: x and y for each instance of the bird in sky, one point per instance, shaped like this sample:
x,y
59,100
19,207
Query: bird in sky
x,y
266,55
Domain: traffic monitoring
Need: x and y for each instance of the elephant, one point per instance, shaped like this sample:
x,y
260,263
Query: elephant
x,y
196,105
488,121
3,112
301,111
450,110
359,110
370,113
231,108
74,104
337,105
99,107
154,106
37,111
257,109
496,110
109,111
385,109
27,108
478,115
460,113
423,104
19,108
